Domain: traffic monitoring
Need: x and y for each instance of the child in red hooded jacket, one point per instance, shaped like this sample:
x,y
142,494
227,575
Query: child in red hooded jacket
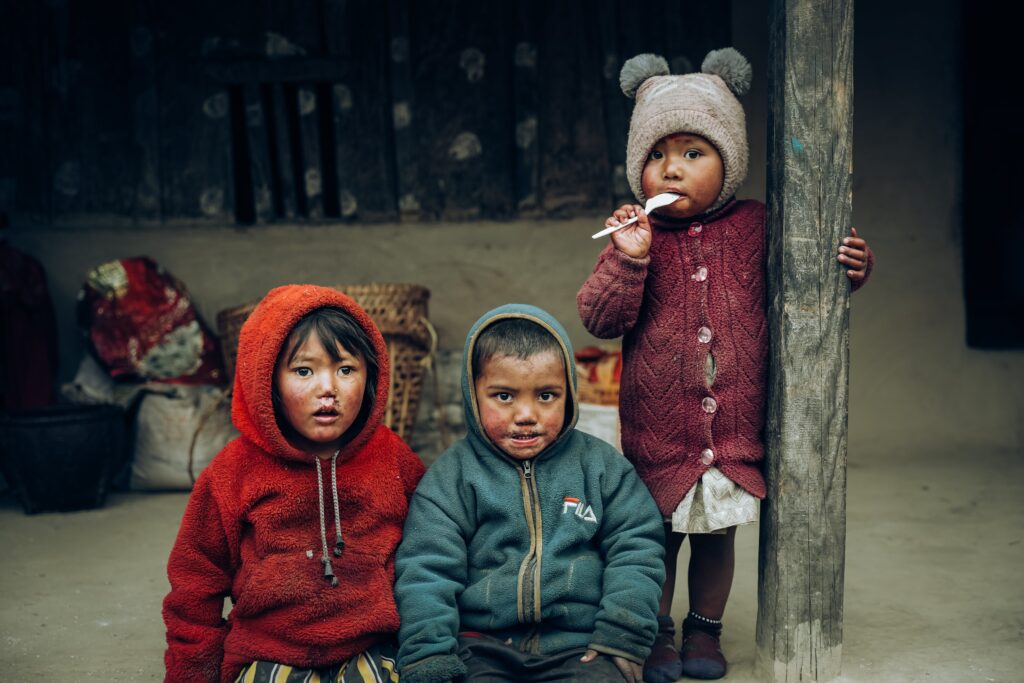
x,y
297,520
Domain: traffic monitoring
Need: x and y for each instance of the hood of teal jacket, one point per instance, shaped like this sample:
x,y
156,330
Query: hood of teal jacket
x,y
476,434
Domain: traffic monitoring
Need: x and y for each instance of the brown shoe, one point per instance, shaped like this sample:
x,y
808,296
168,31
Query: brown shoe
x,y
663,665
702,655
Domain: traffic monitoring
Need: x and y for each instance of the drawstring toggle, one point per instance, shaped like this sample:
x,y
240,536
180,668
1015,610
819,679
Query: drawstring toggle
x,y
329,571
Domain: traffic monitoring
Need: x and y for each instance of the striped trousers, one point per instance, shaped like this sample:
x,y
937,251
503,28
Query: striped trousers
x,y
376,665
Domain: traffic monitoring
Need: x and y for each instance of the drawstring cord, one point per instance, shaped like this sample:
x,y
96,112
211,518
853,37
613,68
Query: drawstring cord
x,y
339,542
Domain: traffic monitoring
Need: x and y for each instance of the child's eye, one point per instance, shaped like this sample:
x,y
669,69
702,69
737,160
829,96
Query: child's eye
x,y
303,372
503,396
692,154
655,154
346,370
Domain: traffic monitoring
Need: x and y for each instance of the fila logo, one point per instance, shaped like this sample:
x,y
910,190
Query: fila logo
x,y
581,510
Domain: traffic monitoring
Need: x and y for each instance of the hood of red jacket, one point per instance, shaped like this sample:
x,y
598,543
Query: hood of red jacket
x,y
260,342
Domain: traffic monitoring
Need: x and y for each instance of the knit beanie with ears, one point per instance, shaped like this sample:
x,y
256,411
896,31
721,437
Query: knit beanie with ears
x,y
703,103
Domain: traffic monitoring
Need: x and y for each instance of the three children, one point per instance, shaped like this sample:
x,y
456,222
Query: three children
x,y
532,551
685,287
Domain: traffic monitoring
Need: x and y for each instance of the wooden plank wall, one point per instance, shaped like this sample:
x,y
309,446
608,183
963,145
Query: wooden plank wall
x,y
299,110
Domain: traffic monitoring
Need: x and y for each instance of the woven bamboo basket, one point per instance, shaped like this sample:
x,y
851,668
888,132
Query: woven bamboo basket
x,y
400,311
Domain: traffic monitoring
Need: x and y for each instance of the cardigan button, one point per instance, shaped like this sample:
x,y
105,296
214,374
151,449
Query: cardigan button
x,y
700,275
704,335
694,229
707,456
709,404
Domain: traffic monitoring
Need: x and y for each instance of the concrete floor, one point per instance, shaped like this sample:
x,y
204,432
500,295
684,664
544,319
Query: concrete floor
x,y
933,578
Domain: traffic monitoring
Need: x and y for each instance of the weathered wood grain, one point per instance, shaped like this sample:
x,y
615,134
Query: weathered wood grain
x,y
278,102
574,168
145,109
364,118
803,525
616,105
213,112
524,88
462,56
91,124
309,150
26,184
196,173
404,114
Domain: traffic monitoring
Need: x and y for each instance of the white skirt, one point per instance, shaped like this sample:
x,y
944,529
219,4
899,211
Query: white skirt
x,y
714,504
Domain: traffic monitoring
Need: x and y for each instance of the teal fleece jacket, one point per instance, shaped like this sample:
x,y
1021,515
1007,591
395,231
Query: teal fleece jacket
x,y
562,551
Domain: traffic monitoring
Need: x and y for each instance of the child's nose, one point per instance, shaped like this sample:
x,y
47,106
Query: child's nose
x,y
525,413
673,166
325,384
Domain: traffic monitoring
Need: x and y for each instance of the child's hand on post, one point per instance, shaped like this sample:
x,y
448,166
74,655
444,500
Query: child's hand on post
x,y
853,253
634,240
631,671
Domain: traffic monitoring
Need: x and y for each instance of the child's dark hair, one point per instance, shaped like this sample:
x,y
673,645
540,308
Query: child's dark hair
x,y
516,337
333,326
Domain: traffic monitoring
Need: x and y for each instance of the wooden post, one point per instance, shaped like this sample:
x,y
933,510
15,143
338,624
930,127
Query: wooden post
x,y
803,525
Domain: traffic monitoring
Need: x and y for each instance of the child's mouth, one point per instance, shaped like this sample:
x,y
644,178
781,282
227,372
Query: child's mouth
x,y
524,438
326,414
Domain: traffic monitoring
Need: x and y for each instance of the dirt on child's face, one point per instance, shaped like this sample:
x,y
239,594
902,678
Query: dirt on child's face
x,y
320,396
688,165
522,402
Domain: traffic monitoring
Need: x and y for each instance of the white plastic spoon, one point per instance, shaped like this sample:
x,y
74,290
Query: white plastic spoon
x,y
655,202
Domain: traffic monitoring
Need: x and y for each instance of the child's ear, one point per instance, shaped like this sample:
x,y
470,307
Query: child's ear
x,y
732,67
638,69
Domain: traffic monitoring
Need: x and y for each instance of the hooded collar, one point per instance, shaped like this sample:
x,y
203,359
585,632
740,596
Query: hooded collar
x,y
260,342
475,431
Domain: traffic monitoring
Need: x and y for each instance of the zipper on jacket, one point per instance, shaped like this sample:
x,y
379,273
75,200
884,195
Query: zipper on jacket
x,y
529,571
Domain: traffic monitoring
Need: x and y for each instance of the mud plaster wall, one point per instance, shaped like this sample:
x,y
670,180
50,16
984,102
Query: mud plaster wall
x,y
914,383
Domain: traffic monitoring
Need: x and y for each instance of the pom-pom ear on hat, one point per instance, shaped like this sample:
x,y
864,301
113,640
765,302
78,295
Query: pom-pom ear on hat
x,y
701,103
729,65
638,69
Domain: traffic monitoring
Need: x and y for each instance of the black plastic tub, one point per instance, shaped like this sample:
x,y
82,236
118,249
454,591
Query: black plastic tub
x,y
60,459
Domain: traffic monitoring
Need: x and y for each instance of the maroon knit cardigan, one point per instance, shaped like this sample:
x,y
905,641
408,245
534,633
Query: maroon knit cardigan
x,y
660,304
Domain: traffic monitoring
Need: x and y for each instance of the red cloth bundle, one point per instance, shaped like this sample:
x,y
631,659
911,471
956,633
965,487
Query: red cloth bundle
x,y
142,324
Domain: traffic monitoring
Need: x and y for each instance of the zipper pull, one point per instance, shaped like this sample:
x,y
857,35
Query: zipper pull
x,y
527,468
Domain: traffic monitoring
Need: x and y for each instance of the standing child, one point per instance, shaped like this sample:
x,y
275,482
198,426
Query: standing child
x,y
313,463
686,288
532,551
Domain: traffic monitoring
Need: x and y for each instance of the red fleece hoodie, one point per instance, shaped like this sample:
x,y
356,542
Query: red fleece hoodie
x,y
252,527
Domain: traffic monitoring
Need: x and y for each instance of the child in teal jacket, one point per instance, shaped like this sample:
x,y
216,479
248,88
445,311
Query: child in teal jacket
x,y
530,549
